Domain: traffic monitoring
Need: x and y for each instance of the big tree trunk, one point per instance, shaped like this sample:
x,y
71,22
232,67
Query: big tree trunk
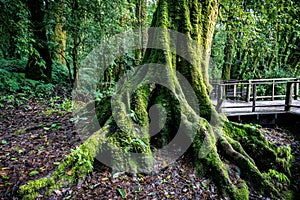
x,y
127,142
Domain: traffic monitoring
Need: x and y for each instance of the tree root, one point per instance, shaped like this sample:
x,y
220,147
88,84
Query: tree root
x,y
232,143
228,146
248,169
73,168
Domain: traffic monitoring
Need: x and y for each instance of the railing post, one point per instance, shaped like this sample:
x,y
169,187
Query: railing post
x,y
248,91
234,91
220,97
254,98
288,96
273,90
241,90
296,90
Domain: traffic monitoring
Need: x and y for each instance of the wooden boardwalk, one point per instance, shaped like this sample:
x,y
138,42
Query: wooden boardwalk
x,y
235,98
234,108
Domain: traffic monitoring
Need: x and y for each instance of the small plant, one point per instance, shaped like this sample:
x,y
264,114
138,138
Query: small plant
x,y
4,177
279,179
33,173
279,176
50,112
67,105
20,132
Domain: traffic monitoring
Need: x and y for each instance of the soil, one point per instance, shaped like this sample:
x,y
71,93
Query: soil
x,y
36,135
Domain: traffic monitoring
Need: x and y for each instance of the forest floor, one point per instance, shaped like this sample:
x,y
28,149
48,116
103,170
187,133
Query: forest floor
x,y
37,134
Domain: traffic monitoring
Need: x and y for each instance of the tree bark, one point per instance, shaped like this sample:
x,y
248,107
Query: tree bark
x,y
60,35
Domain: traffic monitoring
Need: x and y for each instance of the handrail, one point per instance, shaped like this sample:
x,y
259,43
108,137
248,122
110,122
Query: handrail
x,y
248,89
252,80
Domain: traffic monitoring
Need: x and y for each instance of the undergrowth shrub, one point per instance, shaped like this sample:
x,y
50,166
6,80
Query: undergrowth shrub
x,y
13,65
60,74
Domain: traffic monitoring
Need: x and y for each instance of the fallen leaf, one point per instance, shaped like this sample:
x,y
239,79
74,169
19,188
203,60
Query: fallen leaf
x,y
69,173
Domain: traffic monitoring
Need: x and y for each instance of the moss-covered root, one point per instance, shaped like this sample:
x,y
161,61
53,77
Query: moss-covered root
x,y
79,162
207,161
72,169
257,147
220,176
248,169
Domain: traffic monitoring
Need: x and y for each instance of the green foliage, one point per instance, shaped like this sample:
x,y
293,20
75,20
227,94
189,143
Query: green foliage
x,y
258,40
11,83
82,159
13,65
15,89
278,176
66,105
20,132
60,74
15,35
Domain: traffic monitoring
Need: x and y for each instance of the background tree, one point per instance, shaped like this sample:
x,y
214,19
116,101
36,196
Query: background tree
x,y
263,35
39,65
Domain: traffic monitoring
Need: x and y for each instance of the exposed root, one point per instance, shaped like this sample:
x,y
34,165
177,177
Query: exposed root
x,y
106,144
213,165
73,168
238,147
248,169
257,147
80,161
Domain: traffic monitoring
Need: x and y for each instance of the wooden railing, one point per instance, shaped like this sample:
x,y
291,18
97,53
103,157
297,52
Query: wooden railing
x,y
247,91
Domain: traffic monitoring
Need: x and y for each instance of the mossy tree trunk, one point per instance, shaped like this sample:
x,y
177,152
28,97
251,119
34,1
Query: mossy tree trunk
x,y
60,35
228,52
141,18
241,145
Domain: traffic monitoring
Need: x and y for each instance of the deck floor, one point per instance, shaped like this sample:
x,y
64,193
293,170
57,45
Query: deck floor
x,y
277,106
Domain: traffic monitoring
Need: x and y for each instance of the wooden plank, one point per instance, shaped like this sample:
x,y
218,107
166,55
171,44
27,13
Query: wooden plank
x,y
258,106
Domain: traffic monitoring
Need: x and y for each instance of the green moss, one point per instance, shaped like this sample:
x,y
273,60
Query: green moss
x,y
255,146
30,190
241,193
72,169
141,105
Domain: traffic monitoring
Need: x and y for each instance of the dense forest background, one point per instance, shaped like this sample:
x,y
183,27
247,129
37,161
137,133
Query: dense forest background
x,y
47,40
